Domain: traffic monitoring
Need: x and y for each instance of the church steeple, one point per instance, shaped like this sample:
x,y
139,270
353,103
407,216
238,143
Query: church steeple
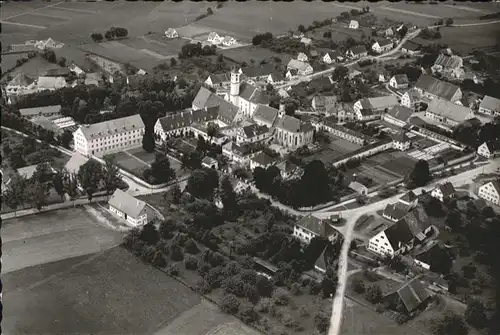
x,y
235,85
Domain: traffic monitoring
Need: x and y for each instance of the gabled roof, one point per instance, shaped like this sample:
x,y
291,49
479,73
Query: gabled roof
x,y
413,95
258,71
384,42
495,184
209,161
263,159
212,35
170,31
325,101
401,79
448,62
412,294
396,211
51,82
293,125
409,197
358,49
400,137
353,22
410,45
44,110
298,65
398,233
435,252
126,203
401,113
74,163
317,226
490,103
21,80
220,78
447,189
28,171
378,103
450,110
265,114
493,146
186,118
417,221
253,94
436,87
116,126
201,98
254,130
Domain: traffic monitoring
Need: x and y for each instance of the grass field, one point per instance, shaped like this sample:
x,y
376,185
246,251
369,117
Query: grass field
x,y
245,54
34,67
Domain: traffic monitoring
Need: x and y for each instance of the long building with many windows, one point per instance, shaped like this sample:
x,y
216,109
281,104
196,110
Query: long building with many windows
x,y
111,136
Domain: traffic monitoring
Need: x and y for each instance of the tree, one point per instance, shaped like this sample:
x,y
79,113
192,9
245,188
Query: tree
x,y
212,130
173,62
449,21
327,34
161,171
358,285
421,174
148,141
65,139
329,282
37,194
301,28
264,286
96,37
321,321
228,196
90,176
230,304
209,11
58,183
202,183
70,181
167,229
14,195
111,175
450,324
176,193
373,294
475,314
434,208
61,61
109,35
149,234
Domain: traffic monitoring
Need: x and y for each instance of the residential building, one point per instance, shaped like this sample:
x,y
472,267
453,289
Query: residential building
x,y
306,41
46,111
432,256
171,33
260,73
399,115
412,295
238,154
409,199
382,45
276,78
444,192
448,66
411,99
291,73
228,41
343,132
372,108
399,81
20,84
490,192
410,48
219,81
50,83
323,103
388,32
310,226
293,133
289,170
489,149
490,106
252,133
382,77
265,116
431,88
401,141
134,211
106,137
302,68
358,187
357,52
214,38
448,113
179,123
262,160
75,162
395,212
354,24
210,163
333,57
314,54
302,57
201,129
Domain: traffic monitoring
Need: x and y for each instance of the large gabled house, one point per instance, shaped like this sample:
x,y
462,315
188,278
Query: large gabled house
x,y
20,84
399,81
406,203
412,295
219,81
302,68
333,57
46,111
490,106
448,65
372,108
401,141
431,88
214,38
444,191
410,48
252,133
489,149
265,115
448,113
490,192
357,52
262,160
310,226
382,45
134,211
399,115
411,99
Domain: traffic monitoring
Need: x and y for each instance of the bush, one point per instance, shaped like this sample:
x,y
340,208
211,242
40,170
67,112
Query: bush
x,y
263,305
230,304
288,321
264,286
281,297
176,253
373,294
173,270
191,247
159,260
248,315
322,322
303,311
295,289
202,286
358,285
191,263
314,288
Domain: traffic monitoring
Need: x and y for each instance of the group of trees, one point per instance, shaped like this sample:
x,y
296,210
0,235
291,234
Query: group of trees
x,y
259,38
420,176
430,34
93,177
160,170
110,34
194,50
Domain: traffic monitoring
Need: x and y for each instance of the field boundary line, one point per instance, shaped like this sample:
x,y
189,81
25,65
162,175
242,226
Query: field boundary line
x,y
23,24
32,11
77,10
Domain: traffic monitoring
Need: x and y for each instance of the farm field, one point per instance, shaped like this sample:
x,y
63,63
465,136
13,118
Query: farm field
x,y
33,68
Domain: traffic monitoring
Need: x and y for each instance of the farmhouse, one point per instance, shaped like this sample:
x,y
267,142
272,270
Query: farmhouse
x,y
431,88
410,48
411,98
293,133
50,83
490,106
382,45
322,103
252,133
489,149
371,108
306,41
265,72
110,136
262,160
20,84
399,116
302,68
265,115
134,211
357,52
314,54
490,192
210,163
219,81
333,57
46,111
448,113
399,81
302,57
448,65
171,33
75,162
444,192
276,78
214,38
401,141
310,226
395,212
412,295
354,24
228,41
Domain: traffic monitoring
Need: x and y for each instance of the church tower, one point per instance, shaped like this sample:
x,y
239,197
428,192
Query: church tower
x,y
235,86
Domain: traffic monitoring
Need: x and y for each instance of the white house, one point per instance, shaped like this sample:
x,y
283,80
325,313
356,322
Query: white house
x,y
171,33
110,136
411,99
371,108
490,106
136,212
399,81
310,226
302,57
490,192
489,149
306,41
293,133
444,191
382,45
401,141
354,24
20,84
210,163
76,70
214,38
302,68
409,199
228,41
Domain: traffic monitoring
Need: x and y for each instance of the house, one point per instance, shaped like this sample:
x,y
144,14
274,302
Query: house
x,y
50,83
411,99
75,162
448,113
276,78
265,115
252,133
106,137
444,191
20,84
399,81
306,41
395,212
358,188
472,76
490,192
409,199
228,41
333,57
132,210
289,170
490,106
357,52
214,38
401,141
262,160
322,103
302,57
238,154
382,45
388,32
180,122
93,78
410,48
402,236
219,81
431,88
210,163
412,295
399,116
448,65
291,74
435,258
171,33
76,70
46,111
314,54
310,226
303,68
372,108
354,24
383,77
489,149
293,133
259,73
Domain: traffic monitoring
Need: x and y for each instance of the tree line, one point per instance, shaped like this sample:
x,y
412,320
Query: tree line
x,y
111,34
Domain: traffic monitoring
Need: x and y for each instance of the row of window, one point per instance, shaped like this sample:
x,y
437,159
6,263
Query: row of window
x,y
115,146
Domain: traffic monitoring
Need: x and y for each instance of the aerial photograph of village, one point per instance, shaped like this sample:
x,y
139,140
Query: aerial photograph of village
x,y
250,167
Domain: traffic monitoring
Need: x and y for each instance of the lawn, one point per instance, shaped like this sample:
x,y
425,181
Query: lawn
x,y
129,163
343,146
39,20
245,54
326,155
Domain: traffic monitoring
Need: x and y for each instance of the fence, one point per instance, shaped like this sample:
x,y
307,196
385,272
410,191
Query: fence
x,y
438,137
365,151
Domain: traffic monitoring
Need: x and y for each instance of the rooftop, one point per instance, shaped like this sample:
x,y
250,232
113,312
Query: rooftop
x,y
412,294
74,163
127,203
490,103
293,125
44,110
448,62
439,88
317,226
265,114
401,113
263,159
116,126
401,79
450,110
